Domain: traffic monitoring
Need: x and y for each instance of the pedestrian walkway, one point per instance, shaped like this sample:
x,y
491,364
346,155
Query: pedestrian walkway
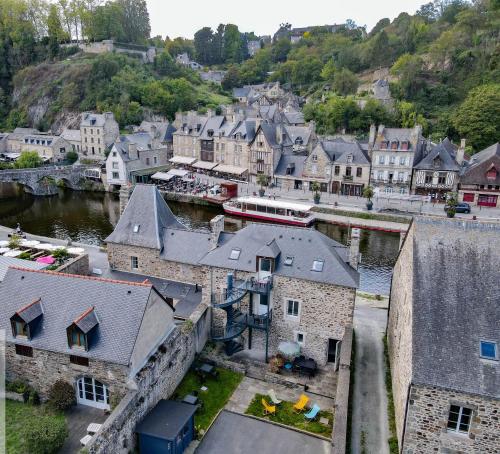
x,y
249,387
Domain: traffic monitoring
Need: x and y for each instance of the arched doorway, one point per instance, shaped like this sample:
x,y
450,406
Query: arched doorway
x,y
92,392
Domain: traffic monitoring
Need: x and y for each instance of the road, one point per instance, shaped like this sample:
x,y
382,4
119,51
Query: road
x,y
370,430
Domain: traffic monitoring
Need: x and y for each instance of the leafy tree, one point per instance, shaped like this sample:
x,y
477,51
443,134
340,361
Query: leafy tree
x,y
280,50
328,71
231,78
55,31
428,12
380,49
28,160
107,23
165,65
345,82
478,117
71,157
135,23
203,44
380,25
232,44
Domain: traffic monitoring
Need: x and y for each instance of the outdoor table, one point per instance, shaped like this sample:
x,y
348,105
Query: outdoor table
x,y
308,366
190,399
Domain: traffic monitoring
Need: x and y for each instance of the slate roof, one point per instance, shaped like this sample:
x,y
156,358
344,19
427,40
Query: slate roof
x,y
338,150
166,420
92,119
294,117
142,140
148,210
71,135
479,164
288,160
185,246
246,128
305,245
241,92
440,158
87,321
295,132
119,306
214,124
31,311
456,303
6,262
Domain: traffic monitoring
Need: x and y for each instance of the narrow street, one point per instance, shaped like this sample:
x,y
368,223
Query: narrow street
x,y
369,418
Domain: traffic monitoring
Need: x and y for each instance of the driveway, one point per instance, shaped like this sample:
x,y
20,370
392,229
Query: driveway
x,y
369,419
238,434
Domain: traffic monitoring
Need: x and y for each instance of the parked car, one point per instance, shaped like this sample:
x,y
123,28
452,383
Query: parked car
x,y
461,207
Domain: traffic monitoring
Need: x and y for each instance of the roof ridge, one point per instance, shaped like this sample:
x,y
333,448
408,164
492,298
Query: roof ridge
x,y
80,276
29,305
85,313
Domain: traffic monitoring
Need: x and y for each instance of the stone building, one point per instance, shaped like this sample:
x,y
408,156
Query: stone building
x,y
186,141
393,153
443,336
134,158
49,147
161,133
480,179
98,133
93,333
303,266
74,137
439,170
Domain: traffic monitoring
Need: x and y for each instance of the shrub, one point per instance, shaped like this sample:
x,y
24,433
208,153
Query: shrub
x,y
15,241
62,395
45,435
71,157
60,254
24,256
17,386
34,398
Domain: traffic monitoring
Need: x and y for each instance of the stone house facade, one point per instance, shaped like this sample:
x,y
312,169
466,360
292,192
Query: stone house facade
x,y
48,147
98,133
186,141
480,178
446,394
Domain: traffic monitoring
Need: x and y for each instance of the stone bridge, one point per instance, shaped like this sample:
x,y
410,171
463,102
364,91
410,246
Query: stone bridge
x,y
46,180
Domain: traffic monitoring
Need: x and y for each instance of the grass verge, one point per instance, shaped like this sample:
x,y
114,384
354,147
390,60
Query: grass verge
x,y
17,422
286,415
362,215
213,399
393,439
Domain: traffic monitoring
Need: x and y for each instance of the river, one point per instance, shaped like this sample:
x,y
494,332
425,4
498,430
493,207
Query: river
x,y
89,217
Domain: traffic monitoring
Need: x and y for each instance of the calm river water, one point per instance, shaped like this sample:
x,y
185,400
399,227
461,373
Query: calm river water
x,y
89,217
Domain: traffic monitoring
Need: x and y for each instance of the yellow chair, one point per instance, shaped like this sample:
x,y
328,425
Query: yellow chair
x,y
301,403
268,409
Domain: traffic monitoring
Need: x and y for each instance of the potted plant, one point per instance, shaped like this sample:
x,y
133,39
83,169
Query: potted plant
x,y
451,204
315,186
368,193
262,182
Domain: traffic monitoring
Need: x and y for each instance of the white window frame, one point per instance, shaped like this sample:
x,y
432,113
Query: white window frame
x,y
460,413
299,309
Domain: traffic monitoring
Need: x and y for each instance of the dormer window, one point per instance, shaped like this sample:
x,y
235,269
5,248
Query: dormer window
x,y
26,319
318,265
235,254
80,331
349,158
405,145
314,158
394,145
384,145
492,173
210,133
299,141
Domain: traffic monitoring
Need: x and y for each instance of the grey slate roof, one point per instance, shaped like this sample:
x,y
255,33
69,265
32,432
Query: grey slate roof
x,y
119,307
87,321
294,117
305,245
338,151
241,92
289,160
214,124
142,140
296,132
439,158
93,119
6,262
456,303
148,210
31,311
185,246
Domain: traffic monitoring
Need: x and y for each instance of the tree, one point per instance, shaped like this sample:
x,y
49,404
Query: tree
x,y
203,44
55,31
428,12
107,23
345,82
280,50
380,25
231,78
165,65
478,117
380,49
135,23
328,71
232,44
28,160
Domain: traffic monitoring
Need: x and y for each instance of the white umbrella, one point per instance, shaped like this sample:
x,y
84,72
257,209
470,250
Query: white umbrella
x,y
13,253
289,349
76,250
4,243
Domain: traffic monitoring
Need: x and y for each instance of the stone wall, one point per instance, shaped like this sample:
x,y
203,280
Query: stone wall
x,y
157,380
427,418
151,264
399,330
34,371
77,265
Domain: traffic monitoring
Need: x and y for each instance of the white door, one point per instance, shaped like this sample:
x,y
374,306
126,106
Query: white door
x,y
92,393
262,304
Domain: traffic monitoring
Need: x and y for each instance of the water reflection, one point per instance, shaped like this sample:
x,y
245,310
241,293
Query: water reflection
x,y
90,217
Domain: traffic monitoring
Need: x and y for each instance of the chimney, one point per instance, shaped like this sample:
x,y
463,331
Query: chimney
x,y
460,153
132,151
373,132
210,113
216,228
153,131
354,248
279,133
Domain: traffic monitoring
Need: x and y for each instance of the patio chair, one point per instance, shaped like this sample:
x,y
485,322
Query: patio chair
x,y
313,413
94,428
85,440
268,409
301,403
272,396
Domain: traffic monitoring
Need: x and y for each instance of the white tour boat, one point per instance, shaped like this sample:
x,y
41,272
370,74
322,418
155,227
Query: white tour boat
x,y
271,210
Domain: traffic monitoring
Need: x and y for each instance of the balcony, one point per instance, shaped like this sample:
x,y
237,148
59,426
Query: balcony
x,y
347,178
260,321
255,286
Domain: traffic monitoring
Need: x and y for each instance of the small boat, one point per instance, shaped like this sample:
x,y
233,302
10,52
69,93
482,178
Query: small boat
x,y
271,210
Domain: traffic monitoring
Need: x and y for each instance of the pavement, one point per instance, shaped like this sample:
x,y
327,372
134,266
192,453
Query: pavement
x,y
370,430
238,434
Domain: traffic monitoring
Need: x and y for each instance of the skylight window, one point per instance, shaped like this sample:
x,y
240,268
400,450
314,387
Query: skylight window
x,y
488,350
235,254
288,260
318,265
136,228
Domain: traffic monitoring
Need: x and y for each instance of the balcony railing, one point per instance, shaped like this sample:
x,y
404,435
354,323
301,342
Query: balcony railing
x,y
347,178
260,321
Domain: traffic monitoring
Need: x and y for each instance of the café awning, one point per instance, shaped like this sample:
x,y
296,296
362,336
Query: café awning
x,y
178,172
234,170
204,165
182,160
162,176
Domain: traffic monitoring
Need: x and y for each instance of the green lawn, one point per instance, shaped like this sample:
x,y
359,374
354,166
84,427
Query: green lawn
x,y
17,420
285,414
218,393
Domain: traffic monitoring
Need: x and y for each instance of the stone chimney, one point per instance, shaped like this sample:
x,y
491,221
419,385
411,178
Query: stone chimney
x,y
132,151
125,193
210,113
216,228
154,131
373,135
460,153
354,248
